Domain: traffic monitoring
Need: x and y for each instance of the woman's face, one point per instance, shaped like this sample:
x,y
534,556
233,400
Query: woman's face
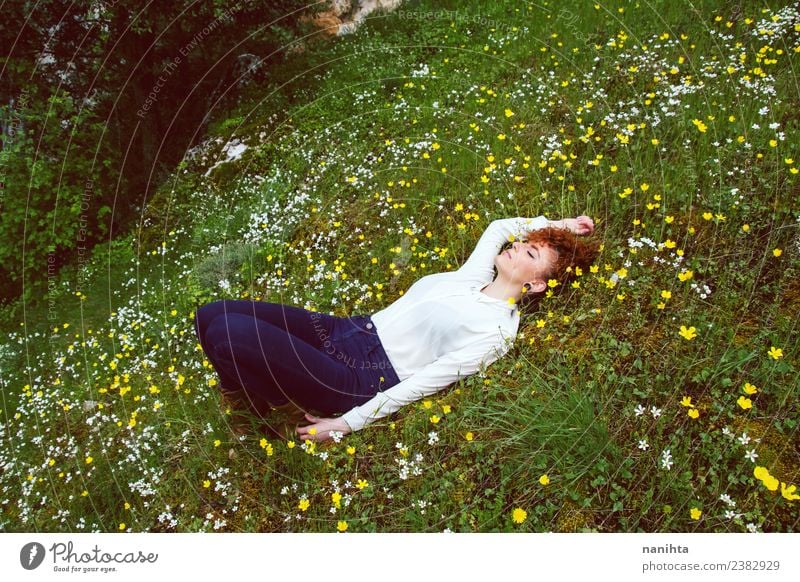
x,y
526,263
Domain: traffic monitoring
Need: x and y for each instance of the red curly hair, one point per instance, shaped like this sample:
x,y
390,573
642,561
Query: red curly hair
x,y
573,251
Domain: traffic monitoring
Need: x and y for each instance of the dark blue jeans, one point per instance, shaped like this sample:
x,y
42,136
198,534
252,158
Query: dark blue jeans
x,y
279,353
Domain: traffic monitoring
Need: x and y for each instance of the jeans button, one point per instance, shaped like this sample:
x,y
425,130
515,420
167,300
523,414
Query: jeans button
x,y
369,326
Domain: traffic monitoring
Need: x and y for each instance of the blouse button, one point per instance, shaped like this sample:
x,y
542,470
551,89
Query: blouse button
x,y
369,326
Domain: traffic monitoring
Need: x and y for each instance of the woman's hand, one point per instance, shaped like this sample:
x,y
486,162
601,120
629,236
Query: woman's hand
x,y
322,428
582,225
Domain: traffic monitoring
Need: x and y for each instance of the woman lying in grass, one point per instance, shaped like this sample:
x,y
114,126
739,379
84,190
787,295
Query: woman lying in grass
x,y
445,327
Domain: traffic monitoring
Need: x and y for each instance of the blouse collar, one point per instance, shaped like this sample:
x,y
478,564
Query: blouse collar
x,y
484,298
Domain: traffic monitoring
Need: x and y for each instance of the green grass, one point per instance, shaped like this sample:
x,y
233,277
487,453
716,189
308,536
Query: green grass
x,y
563,403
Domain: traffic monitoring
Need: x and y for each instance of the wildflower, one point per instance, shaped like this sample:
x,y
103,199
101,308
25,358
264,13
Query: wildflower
x,y
688,333
749,388
644,445
519,515
789,492
122,527
686,401
303,505
336,498
777,252
693,413
744,403
725,498
435,419
695,513
361,484
341,526
751,455
775,353
752,528
351,450
544,479
469,436
666,460
685,275
762,474
656,412
639,410
744,439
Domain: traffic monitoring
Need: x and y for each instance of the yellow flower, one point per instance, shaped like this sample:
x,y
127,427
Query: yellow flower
x,y
544,479
686,401
427,403
469,436
89,460
749,388
303,505
122,527
519,515
351,450
206,483
775,353
789,492
695,513
744,403
666,294
362,483
685,275
700,125
509,113
336,498
693,413
446,408
777,252
689,333
341,526
435,419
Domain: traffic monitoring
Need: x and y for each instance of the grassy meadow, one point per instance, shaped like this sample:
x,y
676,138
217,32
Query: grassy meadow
x,y
659,394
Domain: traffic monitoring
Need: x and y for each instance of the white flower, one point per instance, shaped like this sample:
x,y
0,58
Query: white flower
x,y
639,410
751,455
730,514
751,527
643,445
656,412
666,460
433,437
727,499
727,432
744,439
336,435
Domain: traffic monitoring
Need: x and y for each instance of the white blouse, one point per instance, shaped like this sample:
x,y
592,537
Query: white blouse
x,y
443,328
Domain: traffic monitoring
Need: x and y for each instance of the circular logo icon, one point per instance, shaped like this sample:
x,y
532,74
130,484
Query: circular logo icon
x,y
31,555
